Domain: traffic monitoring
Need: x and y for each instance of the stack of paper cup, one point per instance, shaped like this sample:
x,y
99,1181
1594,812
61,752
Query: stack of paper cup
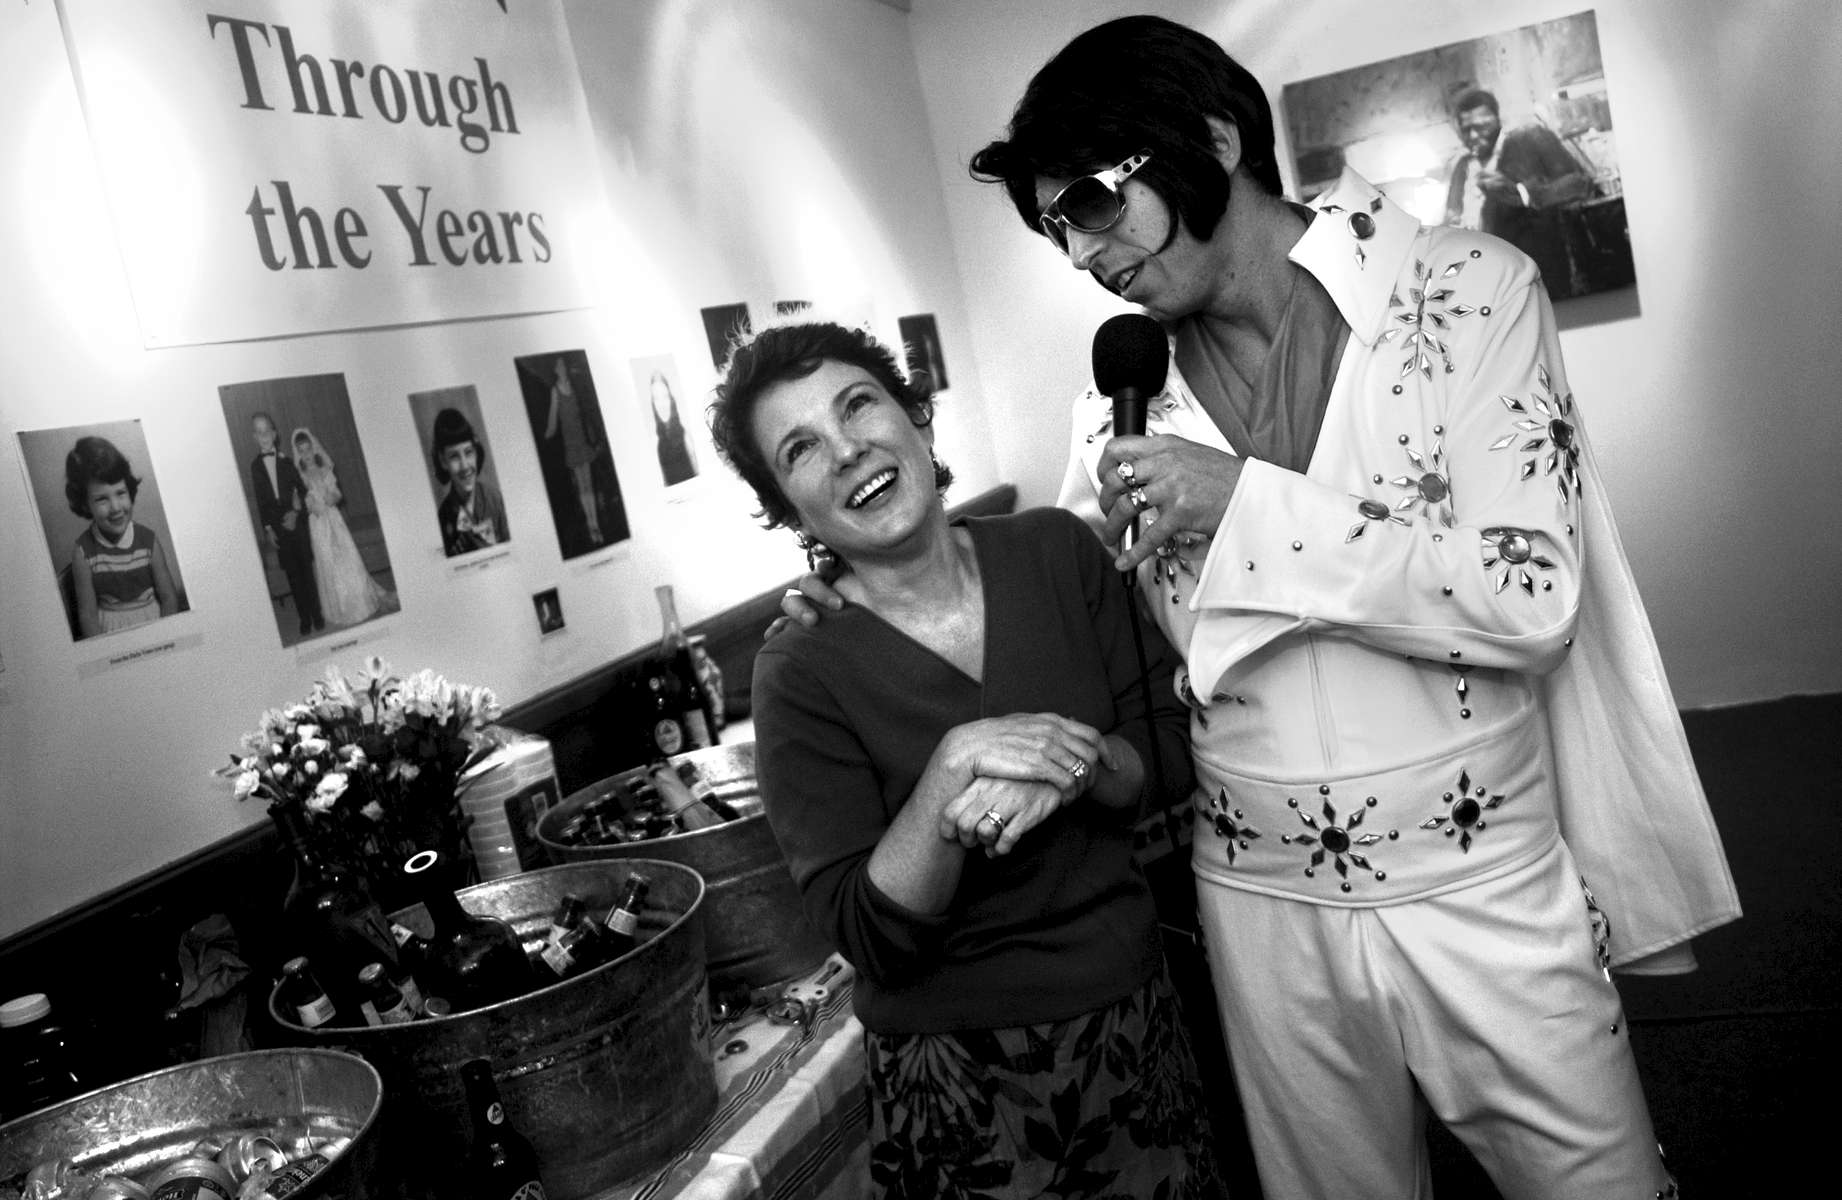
x,y
504,796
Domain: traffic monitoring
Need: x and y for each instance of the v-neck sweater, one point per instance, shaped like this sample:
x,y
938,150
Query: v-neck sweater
x,y
847,715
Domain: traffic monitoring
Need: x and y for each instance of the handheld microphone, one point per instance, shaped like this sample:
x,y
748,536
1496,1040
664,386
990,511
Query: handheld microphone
x,y
1131,358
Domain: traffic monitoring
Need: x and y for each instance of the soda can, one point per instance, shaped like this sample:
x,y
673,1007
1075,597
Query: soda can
x,y
245,1152
192,1178
116,1187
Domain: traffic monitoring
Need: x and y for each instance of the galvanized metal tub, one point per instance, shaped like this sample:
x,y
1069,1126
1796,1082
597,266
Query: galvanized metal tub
x,y
301,1097
608,1073
754,924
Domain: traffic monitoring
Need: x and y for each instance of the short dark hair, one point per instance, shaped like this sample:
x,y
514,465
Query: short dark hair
x,y
1136,84
1475,98
793,350
95,460
452,428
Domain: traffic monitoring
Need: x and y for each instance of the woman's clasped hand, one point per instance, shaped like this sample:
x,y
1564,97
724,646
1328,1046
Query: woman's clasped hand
x,y
1019,769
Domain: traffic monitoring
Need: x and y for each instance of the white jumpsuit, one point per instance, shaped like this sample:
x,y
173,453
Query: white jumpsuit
x,y
1394,729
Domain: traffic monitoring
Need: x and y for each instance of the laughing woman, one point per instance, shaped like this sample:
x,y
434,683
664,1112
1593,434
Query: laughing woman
x,y
953,766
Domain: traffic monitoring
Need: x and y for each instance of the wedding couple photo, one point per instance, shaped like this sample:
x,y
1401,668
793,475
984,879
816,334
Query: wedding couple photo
x,y
310,504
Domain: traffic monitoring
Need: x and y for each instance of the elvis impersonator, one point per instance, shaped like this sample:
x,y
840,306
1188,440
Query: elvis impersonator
x,y
1444,786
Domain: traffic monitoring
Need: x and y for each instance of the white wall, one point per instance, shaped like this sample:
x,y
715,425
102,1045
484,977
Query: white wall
x,y
748,154
1715,411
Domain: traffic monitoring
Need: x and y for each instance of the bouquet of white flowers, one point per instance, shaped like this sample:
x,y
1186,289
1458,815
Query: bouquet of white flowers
x,y
372,763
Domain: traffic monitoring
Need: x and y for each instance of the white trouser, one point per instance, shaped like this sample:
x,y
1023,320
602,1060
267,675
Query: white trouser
x,y
1486,1003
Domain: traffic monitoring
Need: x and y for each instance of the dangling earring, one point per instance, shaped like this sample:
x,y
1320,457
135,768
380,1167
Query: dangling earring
x,y
819,556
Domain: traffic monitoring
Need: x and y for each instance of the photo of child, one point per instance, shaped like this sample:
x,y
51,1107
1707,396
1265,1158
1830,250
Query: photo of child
x,y
105,529
468,505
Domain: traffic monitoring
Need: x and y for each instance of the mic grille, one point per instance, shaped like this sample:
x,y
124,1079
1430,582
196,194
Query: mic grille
x,y
1130,353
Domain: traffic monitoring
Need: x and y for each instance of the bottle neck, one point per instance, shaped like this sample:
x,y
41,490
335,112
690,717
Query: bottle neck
x,y
483,1099
672,636
444,907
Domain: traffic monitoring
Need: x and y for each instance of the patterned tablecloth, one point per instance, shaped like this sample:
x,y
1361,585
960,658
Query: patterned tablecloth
x,y
790,1120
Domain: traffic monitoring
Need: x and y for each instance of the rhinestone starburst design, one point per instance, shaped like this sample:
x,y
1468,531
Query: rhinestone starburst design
x,y
1513,551
1428,489
1428,312
1229,824
1465,809
1337,842
1546,433
1371,510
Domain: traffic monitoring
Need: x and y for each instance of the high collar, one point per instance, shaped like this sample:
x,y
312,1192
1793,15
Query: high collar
x,y
1358,272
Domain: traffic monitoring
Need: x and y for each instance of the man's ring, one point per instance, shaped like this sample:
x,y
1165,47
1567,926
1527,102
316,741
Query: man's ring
x,y
1138,498
1079,770
792,592
997,822
1125,473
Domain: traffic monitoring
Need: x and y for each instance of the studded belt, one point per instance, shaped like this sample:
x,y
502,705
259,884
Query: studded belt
x,y
1381,837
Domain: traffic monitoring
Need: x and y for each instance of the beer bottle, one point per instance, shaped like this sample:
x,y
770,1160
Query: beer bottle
x,y
384,1002
623,921
472,960
302,995
501,1164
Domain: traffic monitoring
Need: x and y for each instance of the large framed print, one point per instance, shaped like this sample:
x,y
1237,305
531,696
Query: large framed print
x,y
1509,133
284,167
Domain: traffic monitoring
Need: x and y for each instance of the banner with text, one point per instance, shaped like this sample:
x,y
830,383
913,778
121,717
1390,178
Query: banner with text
x,y
281,167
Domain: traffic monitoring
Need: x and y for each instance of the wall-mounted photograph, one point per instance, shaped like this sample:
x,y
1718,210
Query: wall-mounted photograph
x,y
310,503
723,324
1510,133
549,611
655,382
105,527
469,506
572,449
921,344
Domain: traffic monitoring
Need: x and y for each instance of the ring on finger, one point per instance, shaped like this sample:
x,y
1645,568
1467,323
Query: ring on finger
x,y
1079,770
1139,500
1125,471
996,819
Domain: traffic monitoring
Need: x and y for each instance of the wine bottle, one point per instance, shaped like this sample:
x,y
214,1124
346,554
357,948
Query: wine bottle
x,y
331,916
472,960
623,921
501,1164
686,697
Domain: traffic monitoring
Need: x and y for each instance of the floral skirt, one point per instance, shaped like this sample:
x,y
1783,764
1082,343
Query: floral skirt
x,y
1106,1104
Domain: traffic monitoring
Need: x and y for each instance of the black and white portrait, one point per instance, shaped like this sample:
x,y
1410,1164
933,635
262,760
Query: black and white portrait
x,y
921,345
106,532
573,451
723,324
656,383
549,611
469,506
1509,133
310,501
